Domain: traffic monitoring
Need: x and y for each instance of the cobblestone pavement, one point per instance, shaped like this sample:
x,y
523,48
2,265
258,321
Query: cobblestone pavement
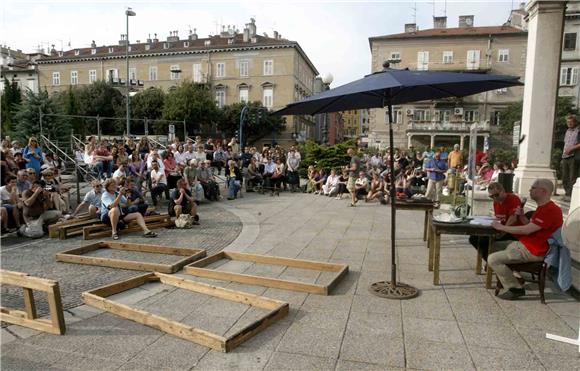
x,y
218,229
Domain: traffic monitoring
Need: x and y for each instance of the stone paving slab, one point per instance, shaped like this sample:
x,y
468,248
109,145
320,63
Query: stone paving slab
x,y
457,325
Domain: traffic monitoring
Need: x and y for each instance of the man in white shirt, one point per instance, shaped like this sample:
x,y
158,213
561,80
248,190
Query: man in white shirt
x,y
158,183
189,154
293,163
92,200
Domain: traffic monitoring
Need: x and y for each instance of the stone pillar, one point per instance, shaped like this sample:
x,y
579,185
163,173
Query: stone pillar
x,y
409,142
541,79
461,142
432,141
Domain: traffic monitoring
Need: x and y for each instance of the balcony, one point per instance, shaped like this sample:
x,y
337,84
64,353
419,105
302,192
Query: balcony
x,y
441,126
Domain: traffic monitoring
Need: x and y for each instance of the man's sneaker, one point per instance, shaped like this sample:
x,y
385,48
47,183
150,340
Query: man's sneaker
x,y
512,294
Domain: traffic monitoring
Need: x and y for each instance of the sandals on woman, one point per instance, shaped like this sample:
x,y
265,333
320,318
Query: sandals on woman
x,y
150,234
115,236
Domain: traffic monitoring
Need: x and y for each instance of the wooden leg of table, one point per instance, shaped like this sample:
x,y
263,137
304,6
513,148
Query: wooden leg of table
x,y
426,226
436,257
478,263
430,243
489,275
56,311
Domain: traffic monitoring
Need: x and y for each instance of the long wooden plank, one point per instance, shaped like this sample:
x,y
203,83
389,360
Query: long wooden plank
x,y
209,260
289,262
117,287
89,234
174,328
53,229
256,280
13,317
83,249
152,248
220,292
256,327
115,263
24,280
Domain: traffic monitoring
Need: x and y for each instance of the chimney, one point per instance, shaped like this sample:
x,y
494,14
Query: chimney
x,y
149,39
93,44
155,39
465,21
193,36
246,34
439,22
410,27
123,40
172,36
276,35
52,50
252,27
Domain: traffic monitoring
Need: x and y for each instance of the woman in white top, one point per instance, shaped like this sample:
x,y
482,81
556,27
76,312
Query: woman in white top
x,y
180,156
330,188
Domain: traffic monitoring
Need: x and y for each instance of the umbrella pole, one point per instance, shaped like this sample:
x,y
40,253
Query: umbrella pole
x,y
392,289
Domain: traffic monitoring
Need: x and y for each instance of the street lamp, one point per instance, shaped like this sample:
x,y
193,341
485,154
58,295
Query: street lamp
x,y
129,13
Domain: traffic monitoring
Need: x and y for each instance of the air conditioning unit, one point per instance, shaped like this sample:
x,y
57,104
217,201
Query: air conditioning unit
x,y
458,111
501,91
409,112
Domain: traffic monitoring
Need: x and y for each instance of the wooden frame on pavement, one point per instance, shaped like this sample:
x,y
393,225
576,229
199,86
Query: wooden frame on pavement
x,y
76,256
28,317
277,310
198,269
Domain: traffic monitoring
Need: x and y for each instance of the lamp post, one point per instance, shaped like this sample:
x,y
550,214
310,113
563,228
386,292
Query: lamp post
x,y
129,13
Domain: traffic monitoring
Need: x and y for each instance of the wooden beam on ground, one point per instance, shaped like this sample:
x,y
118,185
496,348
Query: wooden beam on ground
x,y
27,318
187,256
102,230
277,310
199,269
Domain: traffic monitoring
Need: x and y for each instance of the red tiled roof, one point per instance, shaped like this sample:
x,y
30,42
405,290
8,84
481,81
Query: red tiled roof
x,y
453,32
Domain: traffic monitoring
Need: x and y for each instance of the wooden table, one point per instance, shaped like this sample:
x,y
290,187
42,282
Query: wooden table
x,y
437,229
425,206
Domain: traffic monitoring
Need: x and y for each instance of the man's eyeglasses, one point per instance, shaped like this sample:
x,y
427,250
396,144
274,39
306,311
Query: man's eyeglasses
x,y
494,195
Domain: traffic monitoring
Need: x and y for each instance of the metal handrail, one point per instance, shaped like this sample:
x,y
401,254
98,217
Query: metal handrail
x,y
157,143
77,141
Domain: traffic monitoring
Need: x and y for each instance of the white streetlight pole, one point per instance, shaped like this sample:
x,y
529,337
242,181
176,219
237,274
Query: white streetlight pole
x,y
129,13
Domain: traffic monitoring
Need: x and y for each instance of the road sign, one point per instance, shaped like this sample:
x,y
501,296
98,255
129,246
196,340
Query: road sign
x,y
171,129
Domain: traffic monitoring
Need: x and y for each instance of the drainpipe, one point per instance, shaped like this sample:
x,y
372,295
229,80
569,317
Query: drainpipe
x,y
489,40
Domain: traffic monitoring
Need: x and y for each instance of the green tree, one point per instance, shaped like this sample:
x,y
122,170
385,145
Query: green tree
x,y
193,103
258,123
11,96
102,99
512,114
324,156
68,104
149,104
27,118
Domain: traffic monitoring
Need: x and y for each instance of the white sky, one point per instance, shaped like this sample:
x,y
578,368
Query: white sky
x,y
334,34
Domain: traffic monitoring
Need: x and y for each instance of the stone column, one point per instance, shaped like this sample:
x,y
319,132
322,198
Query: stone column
x,y
541,88
461,142
409,142
432,141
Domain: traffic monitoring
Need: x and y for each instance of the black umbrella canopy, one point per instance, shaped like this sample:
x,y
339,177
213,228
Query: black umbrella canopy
x,y
393,86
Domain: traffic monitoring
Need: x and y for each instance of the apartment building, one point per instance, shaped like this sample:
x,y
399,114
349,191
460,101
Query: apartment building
x,y
19,68
238,66
466,48
356,123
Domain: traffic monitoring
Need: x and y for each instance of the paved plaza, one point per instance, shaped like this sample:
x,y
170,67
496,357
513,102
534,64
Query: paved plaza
x,y
457,325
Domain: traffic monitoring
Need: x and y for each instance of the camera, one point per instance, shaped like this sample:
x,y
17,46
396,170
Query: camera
x,y
50,188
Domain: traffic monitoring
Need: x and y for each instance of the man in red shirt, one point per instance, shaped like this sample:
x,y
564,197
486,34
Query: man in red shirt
x,y
504,207
532,236
103,159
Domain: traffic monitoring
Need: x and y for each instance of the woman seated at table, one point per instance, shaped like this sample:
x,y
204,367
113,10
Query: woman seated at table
x,y
114,210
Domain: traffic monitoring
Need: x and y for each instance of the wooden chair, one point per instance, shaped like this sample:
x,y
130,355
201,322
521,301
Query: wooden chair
x,y
535,268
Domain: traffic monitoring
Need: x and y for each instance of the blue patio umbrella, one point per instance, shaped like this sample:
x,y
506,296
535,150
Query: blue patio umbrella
x,y
385,89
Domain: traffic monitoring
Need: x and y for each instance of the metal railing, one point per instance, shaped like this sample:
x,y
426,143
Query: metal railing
x,y
461,126
76,141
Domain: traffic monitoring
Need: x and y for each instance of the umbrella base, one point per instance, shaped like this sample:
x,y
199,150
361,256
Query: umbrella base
x,y
400,291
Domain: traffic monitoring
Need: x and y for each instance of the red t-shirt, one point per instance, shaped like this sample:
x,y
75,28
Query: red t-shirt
x,y
549,218
503,210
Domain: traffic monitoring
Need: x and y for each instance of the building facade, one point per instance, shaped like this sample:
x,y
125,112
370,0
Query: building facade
x,y
239,67
570,63
493,50
19,68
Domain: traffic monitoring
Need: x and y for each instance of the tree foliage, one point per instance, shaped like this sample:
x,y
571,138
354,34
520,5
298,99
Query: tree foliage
x,y
257,122
193,103
27,118
102,99
324,156
11,96
149,104
67,101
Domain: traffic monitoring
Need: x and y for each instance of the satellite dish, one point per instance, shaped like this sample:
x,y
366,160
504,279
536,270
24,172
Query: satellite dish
x,y
571,230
